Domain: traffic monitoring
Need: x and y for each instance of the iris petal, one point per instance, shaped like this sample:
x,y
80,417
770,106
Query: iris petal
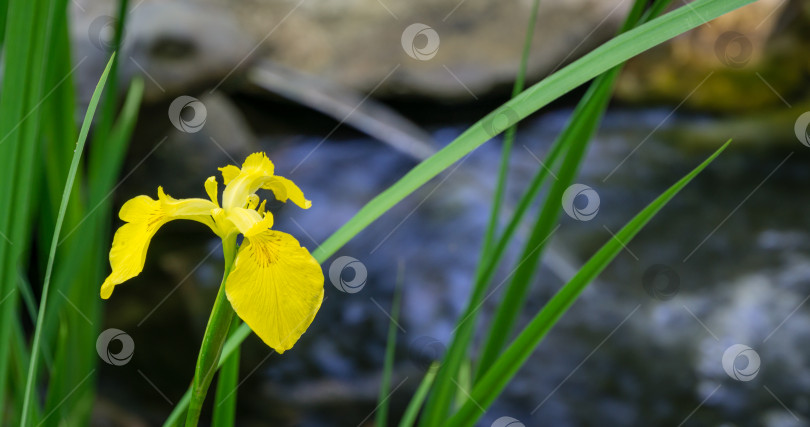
x,y
144,216
229,173
285,189
276,287
256,170
211,188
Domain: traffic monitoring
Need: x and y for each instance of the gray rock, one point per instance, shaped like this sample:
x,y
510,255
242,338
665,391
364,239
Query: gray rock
x,y
177,46
359,44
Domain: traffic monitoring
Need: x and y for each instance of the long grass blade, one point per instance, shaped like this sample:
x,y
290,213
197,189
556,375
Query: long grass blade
x,y
109,103
35,346
412,411
381,417
581,130
69,329
509,137
445,390
507,365
79,266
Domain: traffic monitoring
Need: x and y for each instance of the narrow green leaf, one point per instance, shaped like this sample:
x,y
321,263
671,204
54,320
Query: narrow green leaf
x,y
227,380
509,137
381,417
180,410
35,347
412,411
76,273
79,267
508,141
464,383
109,104
507,365
576,136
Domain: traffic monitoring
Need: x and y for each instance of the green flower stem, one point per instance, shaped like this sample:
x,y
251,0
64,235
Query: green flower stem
x,y
214,339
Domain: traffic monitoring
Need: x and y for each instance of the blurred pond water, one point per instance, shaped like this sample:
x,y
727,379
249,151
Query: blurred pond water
x,y
727,262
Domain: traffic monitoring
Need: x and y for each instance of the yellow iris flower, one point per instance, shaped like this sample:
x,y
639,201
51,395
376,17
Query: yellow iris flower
x,y
275,285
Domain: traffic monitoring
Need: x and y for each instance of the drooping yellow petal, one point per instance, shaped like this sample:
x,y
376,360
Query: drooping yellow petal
x,y
276,287
144,216
285,189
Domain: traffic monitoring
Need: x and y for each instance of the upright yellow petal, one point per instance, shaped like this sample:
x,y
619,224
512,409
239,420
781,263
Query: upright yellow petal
x,y
256,170
276,287
229,173
212,189
144,216
258,163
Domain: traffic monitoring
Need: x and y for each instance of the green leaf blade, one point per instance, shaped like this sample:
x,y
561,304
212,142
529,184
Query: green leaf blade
x,y
74,165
